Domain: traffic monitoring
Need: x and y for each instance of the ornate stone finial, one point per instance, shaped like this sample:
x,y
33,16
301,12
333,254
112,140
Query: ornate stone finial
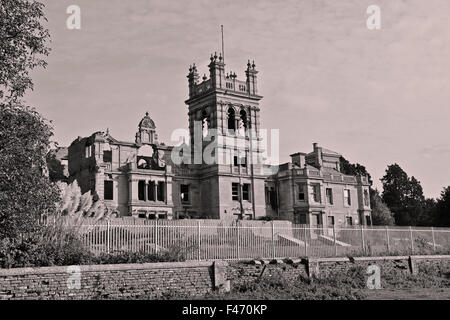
x,y
146,113
253,64
248,64
190,68
204,77
220,57
211,58
215,55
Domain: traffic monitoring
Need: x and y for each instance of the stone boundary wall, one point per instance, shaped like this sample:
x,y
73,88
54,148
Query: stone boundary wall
x,y
158,280
119,281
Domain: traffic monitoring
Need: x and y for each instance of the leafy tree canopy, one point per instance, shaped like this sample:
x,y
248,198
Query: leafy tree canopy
x,y
25,192
381,215
403,195
443,209
354,169
23,44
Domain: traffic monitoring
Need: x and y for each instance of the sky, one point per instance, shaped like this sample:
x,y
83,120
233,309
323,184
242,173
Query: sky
x,y
378,97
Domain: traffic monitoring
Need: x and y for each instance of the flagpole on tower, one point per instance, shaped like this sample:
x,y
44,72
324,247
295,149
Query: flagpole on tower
x,y
223,51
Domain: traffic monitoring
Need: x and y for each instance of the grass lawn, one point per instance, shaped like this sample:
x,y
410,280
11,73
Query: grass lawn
x,y
409,294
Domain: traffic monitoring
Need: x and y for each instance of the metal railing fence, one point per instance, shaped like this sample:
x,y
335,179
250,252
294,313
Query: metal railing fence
x,y
210,239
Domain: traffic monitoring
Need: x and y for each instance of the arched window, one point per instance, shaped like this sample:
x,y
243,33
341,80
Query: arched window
x,y
243,120
205,123
231,119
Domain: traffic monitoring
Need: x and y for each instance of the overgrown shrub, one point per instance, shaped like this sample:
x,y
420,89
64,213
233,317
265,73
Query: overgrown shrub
x,y
338,286
59,246
46,247
172,254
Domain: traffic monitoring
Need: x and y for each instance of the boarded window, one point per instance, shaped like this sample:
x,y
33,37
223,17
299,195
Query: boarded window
x,y
108,193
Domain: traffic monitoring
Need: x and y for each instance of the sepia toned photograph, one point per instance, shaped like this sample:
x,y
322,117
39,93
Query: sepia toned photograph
x,y
222,155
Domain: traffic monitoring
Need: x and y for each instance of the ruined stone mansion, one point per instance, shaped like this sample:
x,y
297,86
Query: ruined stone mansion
x,y
139,178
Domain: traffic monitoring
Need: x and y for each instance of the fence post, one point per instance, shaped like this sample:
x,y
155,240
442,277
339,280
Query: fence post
x,y
434,241
199,237
108,229
334,240
306,247
237,240
387,238
156,236
411,237
273,241
363,242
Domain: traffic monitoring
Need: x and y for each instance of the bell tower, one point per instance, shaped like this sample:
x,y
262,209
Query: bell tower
x,y
224,122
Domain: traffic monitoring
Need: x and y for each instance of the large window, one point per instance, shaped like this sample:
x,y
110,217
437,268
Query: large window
x,y
231,120
184,192
349,221
235,191
301,192
315,192
246,191
108,193
329,193
151,191
243,120
366,198
141,190
240,161
300,218
107,156
331,220
347,197
161,191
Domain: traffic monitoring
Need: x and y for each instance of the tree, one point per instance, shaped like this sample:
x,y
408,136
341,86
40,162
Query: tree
x,y
403,195
25,192
442,218
23,44
381,215
354,169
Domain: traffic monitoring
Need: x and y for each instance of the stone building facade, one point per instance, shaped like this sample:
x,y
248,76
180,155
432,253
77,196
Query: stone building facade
x,y
142,179
311,190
